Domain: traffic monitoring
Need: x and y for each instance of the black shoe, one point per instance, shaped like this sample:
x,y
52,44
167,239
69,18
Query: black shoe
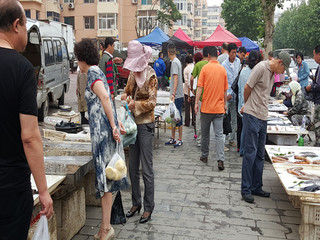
x,y
220,165
132,212
204,159
261,194
144,220
247,197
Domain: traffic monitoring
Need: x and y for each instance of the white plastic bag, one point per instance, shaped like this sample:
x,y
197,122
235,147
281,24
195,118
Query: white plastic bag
x,y
116,169
42,231
130,127
172,114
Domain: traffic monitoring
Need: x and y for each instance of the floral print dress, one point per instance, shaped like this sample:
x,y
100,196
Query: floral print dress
x,y
103,144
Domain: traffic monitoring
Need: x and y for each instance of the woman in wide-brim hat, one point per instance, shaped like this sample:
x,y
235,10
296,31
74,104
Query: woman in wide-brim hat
x,y
141,95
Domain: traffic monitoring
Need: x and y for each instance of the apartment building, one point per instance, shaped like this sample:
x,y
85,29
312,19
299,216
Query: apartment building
x,y
124,19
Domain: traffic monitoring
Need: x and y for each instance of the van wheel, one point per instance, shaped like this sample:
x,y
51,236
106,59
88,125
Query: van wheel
x,y
43,111
61,99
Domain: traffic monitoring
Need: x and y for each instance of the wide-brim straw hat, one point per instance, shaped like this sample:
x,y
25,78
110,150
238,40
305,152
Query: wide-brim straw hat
x,y
138,56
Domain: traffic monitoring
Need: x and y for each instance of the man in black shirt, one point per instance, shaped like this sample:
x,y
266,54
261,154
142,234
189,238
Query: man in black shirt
x,y
21,151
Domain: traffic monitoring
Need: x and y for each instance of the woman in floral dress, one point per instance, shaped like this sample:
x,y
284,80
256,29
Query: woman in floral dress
x,y
103,129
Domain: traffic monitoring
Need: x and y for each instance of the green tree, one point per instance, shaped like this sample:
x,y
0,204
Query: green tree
x,y
243,18
298,28
167,14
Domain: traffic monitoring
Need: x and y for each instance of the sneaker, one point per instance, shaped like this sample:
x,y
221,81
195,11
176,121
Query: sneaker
x,y
232,144
199,144
171,141
178,143
226,149
204,159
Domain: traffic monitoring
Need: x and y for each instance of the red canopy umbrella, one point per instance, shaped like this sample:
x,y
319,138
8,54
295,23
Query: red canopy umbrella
x,y
219,37
183,36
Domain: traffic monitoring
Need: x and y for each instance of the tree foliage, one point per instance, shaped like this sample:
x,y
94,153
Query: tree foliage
x,y
298,28
243,18
167,14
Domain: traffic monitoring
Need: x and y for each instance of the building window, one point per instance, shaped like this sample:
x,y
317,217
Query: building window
x,y
146,2
53,16
37,15
143,22
107,0
88,22
107,21
69,20
88,1
181,5
68,1
204,22
28,13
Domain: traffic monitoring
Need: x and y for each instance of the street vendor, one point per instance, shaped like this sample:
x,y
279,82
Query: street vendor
x,y
300,106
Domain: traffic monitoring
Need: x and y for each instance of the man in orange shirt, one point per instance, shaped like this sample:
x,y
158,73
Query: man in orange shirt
x,y
213,81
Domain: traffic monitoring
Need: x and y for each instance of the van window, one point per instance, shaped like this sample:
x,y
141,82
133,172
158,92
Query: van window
x,y
58,52
48,52
64,50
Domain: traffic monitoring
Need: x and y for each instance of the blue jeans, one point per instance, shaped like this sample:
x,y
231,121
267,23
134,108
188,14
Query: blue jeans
x,y
255,133
178,102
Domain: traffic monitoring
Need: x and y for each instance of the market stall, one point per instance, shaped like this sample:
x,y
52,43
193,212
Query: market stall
x,y
299,172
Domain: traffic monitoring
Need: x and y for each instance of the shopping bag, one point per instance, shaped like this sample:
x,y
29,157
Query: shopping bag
x,y
117,212
227,123
172,114
130,127
116,169
42,231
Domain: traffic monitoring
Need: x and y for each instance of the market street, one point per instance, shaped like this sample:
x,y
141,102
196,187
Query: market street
x,y
197,201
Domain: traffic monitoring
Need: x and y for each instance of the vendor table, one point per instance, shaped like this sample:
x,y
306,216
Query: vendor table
x,y
309,202
277,107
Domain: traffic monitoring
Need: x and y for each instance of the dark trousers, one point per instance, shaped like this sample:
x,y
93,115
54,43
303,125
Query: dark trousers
x,y
187,106
255,131
142,151
15,214
239,130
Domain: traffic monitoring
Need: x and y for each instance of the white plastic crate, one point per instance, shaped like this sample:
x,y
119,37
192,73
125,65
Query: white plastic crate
x,y
310,213
309,232
282,139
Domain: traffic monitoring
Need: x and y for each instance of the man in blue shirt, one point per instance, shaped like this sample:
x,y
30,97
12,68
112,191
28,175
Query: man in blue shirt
x,y
160,68
232,66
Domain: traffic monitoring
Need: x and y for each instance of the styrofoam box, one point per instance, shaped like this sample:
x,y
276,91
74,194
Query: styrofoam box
x,y
309,232
281,139
295,201
311,213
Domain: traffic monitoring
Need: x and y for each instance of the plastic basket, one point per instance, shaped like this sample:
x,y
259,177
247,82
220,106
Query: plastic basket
x,y
295,201
309,232
310,213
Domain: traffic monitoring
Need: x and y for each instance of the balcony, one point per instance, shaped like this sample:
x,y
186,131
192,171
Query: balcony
x,y
102,33
33,1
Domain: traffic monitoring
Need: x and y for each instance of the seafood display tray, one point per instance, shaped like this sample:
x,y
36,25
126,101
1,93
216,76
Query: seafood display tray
x,y
288,180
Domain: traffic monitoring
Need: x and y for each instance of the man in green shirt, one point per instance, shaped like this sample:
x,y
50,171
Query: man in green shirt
x,y
194,76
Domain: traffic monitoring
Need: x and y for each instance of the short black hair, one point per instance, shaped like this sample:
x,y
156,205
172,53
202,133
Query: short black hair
x,y
108,41
171,48
86,51
160,53
270,54
225,46
300,54
188,59
317,49
10,10
232,46
242,50
205,51
212,51
254,58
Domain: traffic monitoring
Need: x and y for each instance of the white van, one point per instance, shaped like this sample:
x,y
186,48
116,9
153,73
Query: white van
x,y
48,53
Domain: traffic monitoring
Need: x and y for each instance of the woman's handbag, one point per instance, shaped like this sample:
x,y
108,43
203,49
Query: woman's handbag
x,y
117,212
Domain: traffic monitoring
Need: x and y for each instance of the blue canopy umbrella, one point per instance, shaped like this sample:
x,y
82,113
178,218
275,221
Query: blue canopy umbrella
x,y
249,44
155,38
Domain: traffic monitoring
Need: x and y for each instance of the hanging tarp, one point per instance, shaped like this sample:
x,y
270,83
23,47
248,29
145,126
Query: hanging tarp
x,y
249,44
219,37
155,38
